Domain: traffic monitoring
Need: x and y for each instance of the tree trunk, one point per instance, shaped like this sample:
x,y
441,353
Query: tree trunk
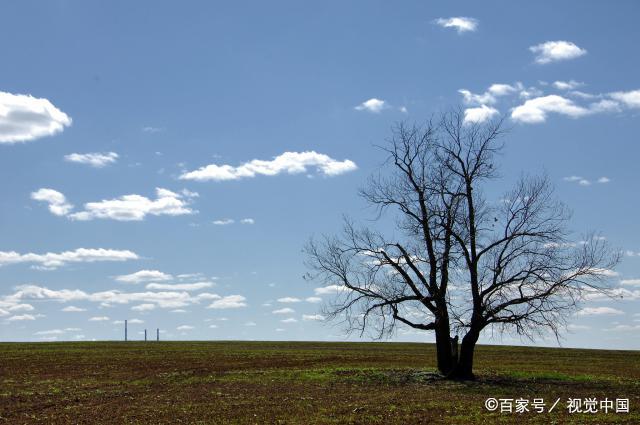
x,y
444,350
464,367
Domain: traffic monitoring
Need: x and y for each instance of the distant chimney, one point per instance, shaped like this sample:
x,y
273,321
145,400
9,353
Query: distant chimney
x,y
145,334
157,334
125,330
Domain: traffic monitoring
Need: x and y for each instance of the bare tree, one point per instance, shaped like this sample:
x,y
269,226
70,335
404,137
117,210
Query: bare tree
x,y
459,264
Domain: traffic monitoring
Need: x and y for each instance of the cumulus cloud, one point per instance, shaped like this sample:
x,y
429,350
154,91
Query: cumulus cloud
x,y
144,276
328,290
285,310
554,51
57,202
50,332
161,299
288,162
313,300
125,208
247,221
230,301
312,317
461,24
184,327
94,159
586,182
479,114
137,207
224,222
535,106
537,109
619,293
372,105
99,319
73,309
143,307
289,300
24,118
630,282
289,320
629,98
599,311
567,85
577,179
52,260
21,318
196,286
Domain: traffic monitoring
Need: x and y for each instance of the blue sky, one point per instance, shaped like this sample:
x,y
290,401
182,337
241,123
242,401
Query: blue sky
x,y
129,134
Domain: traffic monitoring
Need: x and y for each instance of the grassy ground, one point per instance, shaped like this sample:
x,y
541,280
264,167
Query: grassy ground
x,y
299,382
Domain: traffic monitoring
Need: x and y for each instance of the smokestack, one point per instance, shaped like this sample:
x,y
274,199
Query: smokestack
x,y
125,330
145,335
158,334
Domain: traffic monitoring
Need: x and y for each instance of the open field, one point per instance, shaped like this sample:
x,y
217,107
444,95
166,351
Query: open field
x,y
299,382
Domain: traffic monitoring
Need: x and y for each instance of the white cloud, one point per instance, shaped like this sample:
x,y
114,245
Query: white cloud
x,y
99,319
73,309
137,207
52,260
567,85
21,307
58,204
250,324
619,293
143,307
603,180
599,311
196,286
144,276
164,299
21,318
24,118
288,162
94,159
479,114
289,320
224,222
536,110
577,179
630,98
289,300
230,301
126,208
50,332
247,221
372,105
314,300
184,327
630,282
574,327
553,51
460,23
285,310
329,289
491,95
312,317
